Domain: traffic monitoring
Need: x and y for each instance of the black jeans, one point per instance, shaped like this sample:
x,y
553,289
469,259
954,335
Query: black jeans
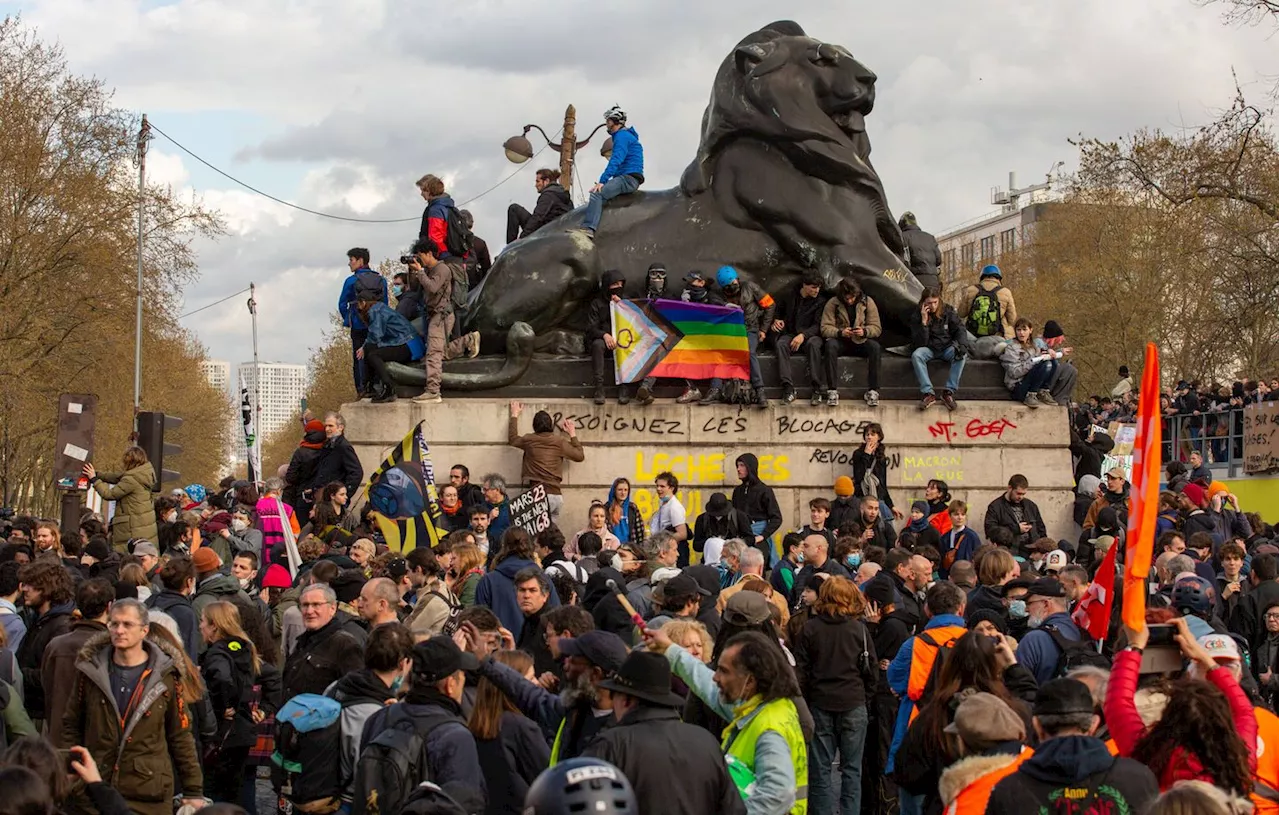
x,y
812,348
598,352
358,336
837,346
378,357
517,217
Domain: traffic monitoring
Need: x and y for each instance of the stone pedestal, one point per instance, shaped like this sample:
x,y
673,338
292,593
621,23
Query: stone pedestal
x,y
802,449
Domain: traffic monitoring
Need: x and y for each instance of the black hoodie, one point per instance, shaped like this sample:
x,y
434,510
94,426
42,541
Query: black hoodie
x,y
757,501
553,202
598,319
1070,774
226,667
1090,452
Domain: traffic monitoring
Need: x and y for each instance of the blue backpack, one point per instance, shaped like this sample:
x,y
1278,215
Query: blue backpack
x,y
308,746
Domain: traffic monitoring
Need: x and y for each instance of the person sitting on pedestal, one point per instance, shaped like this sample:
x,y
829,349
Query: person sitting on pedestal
x,y
797,325
936,333
599,325
850,324
389,338
553,201
623,175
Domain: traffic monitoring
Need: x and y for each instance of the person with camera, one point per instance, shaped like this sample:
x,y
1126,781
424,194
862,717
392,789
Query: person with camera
x,y
437,277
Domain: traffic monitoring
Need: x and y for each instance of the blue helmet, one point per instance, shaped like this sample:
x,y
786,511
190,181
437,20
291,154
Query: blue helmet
x,y
991,270
726,275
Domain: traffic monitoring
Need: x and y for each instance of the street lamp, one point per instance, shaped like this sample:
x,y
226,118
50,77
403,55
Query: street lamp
x,y
518,149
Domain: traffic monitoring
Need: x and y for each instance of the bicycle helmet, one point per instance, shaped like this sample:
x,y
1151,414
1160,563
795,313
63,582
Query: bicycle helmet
x,y
616,114
586,785
726,275
991,270
1192,595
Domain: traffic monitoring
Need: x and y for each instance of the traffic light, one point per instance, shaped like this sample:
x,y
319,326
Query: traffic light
x,y
152,427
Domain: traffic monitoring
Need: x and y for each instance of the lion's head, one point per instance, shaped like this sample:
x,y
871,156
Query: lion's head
x,y
805,97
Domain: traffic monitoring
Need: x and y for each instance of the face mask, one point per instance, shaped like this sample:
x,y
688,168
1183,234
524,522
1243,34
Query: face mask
x,y
697,294
397,290
171,517
732,289
239,525
854,559
396,684
800,557
1018,608
1037,564
664,499
244,582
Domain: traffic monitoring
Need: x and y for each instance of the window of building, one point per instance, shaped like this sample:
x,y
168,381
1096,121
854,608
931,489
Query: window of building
x,y
987,247
1006,241
966,255
949,263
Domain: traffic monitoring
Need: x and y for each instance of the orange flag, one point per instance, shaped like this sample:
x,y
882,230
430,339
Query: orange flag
x,y
1144,495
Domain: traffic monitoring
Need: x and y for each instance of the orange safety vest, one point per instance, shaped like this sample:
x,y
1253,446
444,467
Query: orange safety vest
x,y
1267,775
972,800
924,652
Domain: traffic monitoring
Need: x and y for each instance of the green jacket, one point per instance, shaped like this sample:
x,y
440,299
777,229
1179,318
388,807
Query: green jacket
x,y
16,722
140,754
135,515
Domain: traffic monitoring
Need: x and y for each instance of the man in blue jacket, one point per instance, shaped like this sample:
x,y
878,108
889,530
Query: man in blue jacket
x,y
357,262
1038,651
625,172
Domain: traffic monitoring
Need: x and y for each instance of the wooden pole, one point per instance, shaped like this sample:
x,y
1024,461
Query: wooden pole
x,y
568,146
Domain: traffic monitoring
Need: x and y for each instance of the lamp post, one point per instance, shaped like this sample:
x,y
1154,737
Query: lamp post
x,y
519,150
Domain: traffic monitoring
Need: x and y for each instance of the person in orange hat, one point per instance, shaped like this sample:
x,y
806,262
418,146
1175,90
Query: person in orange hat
x,y
302,470
845,507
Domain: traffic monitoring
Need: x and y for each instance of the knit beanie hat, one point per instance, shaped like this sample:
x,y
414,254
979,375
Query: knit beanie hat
x,y
844,486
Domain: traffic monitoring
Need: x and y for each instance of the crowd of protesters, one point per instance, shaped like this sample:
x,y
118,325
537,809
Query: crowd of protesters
x,y
883,657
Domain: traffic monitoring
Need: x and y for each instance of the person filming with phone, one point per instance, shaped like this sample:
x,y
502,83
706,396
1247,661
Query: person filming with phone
x,y
1207,731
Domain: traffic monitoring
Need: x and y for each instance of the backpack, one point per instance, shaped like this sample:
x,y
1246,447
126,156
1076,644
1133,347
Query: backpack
x,y
984,314
457,237
461,285
944,653
451,622
368,283
308,746
428,799
391,765
737,392
1074,654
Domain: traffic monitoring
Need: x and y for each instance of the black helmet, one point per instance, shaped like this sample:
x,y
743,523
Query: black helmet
x,y
1192,595
586,785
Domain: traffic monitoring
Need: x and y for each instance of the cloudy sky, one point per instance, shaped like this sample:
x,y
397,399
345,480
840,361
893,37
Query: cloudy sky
x,y
339,105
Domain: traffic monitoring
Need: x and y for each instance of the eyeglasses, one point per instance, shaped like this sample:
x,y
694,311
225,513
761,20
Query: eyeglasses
x,y
313,605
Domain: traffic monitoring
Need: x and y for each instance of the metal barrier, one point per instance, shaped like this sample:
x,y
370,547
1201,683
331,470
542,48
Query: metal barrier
x,y
1219,438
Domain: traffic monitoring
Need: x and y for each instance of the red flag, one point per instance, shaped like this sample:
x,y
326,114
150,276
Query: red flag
x,y
1144,496
1093,614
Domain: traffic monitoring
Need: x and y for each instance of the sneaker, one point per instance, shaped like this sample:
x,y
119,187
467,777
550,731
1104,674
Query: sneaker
x,y
928,401
690,396
788,394
761,401
428,398
949,399
624,395
1046,398
815,398
873,398
1031,401
598,397
472,344
833,398
644,396
712,397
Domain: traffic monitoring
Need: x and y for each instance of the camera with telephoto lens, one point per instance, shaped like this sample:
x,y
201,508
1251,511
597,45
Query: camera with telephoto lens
x,y
407,259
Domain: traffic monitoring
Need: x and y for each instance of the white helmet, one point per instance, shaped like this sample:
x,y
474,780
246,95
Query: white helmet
x,y
616,114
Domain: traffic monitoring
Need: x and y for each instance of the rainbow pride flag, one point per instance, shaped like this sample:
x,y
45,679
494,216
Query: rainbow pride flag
x,y
680,340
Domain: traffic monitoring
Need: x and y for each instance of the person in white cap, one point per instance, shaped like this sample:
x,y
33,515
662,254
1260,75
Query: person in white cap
x,y
1055,561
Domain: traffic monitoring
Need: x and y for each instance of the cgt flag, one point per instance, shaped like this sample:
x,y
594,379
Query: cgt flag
x,y
1093,614
403,494
1144,496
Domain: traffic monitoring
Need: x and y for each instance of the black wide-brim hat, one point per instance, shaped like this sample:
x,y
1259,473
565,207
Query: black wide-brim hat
x,y
646,676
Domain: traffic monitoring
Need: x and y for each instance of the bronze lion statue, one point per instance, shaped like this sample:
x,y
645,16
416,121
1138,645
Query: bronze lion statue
x,y
782,183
